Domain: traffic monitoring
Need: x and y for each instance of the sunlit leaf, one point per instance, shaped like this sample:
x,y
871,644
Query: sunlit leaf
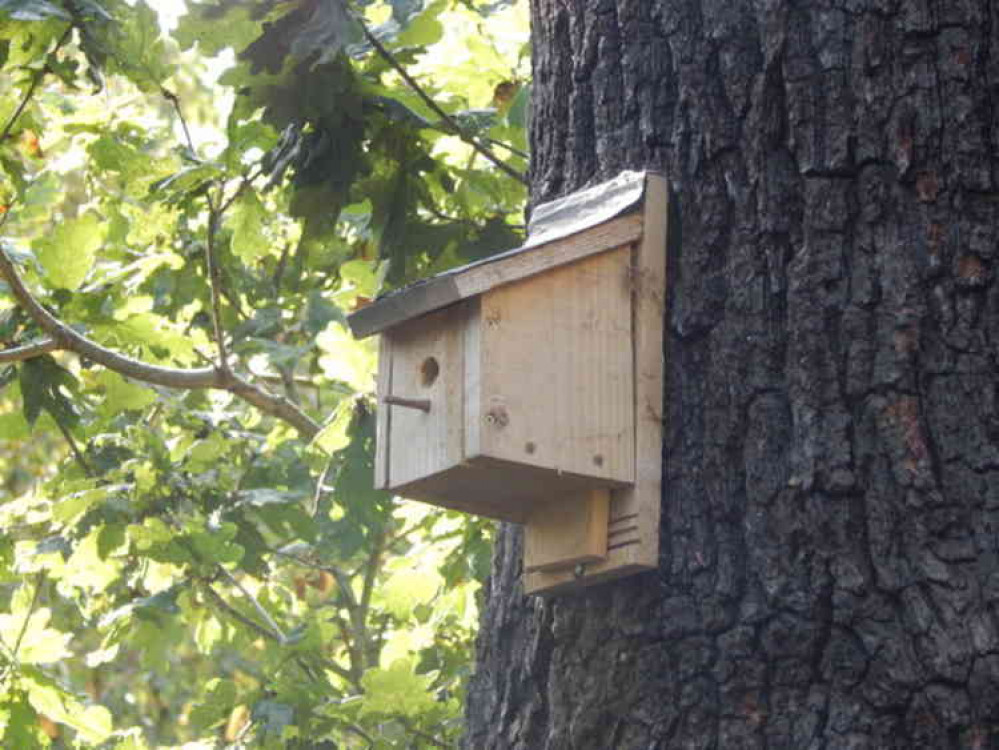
x,y
346,359
247,221
39,644
408,587
122,394
396,691
333,437
69,251
93,723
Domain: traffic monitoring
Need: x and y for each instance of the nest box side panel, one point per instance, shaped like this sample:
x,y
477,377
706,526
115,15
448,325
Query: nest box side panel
x,y
555,386
425,367
633,524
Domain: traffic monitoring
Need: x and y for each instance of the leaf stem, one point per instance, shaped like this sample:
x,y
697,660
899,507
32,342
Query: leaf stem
x,y
77,454
512,149
341,576
175,101
31,611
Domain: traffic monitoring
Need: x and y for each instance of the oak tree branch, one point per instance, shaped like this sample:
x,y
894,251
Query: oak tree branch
x,y
27,351
65,338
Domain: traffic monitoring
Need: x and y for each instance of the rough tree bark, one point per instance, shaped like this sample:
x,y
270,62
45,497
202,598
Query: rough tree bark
x,y
830,566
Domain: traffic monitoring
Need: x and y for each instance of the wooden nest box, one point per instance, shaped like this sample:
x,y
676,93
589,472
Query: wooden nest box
x,y
528,387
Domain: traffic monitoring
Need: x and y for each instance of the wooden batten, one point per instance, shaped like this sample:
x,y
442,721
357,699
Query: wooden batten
x,y
528,387
633,532
556,539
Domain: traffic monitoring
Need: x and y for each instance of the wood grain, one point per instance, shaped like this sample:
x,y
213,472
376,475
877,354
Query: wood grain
x,y
556,375
633,539
423,443
561,535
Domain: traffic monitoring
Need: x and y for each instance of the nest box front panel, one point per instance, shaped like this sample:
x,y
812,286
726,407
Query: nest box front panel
x,y
555,381
424,372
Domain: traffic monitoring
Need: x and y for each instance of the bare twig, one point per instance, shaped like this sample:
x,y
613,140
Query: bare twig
x,y
359,614
282,638
211,257
317,496
235,614
68,339
40,579
262,630
512,149
248,177
27,351
215,283
175,101
276,406
13,649
426,99
339,671
33,86
421,734
279,269
77,454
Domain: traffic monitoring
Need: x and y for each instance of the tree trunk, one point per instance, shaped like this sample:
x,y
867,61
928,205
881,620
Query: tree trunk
x,y
830,560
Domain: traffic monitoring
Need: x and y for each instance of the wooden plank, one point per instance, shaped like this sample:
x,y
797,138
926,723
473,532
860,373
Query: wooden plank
x,y
383,388
615,233
426,363
556,375
563,534
633,544
473,379
448,288
497,489
398,307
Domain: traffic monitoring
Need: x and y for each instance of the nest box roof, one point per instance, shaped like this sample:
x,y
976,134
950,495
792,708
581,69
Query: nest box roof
x,y
605,212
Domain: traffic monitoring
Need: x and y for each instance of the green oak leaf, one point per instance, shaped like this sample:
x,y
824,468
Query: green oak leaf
x,y
92,723
247,221
40,644
122,394
396,691
68,252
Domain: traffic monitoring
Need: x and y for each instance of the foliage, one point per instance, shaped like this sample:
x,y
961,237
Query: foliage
x,y
189,207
